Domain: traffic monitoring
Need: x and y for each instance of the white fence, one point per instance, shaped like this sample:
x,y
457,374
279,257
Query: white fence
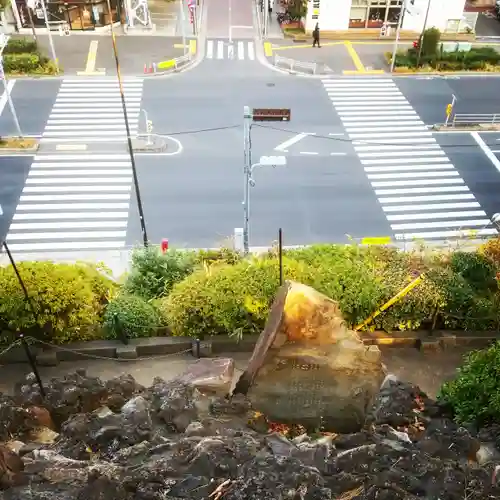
x,y
295,66
463,120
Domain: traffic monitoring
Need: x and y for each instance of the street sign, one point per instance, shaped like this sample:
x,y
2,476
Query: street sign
x,y
271,115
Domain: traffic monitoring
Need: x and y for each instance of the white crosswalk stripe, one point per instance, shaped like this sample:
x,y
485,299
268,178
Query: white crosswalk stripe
x,y
80,200
237,50
420,190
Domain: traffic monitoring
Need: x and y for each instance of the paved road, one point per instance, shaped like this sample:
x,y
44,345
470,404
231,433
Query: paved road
x,y
365,164
134,52
229,18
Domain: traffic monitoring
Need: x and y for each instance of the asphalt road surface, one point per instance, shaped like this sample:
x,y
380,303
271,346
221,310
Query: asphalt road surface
x,y
361,160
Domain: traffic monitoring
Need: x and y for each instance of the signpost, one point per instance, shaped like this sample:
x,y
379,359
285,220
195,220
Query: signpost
x,y
257,115
271,115
449,109
4,39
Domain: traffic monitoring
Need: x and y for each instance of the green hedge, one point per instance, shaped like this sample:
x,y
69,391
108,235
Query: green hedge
x,y
131,316
478,58
20,46
229,299
474,395
69,300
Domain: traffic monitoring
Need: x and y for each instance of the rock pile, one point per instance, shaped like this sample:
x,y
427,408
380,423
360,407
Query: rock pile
x,y
171,442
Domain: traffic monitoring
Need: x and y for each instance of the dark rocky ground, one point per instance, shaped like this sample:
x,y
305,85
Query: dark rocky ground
x,y
96,440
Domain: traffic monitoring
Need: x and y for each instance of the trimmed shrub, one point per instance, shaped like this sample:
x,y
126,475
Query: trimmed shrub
x,y
69,300
20,46
430,41
227,299
474,395
154,274
491,250
130,316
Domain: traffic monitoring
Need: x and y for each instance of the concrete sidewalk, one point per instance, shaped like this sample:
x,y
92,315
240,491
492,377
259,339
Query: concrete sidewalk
x,y
93,55
428,370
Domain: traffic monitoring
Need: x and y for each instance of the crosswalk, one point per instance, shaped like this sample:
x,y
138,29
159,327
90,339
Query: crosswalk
x,y
419,189
88,109
236,50
78,199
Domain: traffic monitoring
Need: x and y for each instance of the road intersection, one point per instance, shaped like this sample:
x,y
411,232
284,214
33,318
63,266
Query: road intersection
x,y
361,158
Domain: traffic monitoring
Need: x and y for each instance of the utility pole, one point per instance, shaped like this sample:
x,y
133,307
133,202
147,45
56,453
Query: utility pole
x,y
266,17
230,15
421,44
247,174
398,31
49,33
32,24
183,22
129,138
3,43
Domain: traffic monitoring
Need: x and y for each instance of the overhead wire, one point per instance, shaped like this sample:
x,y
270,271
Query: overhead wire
x,y
315,136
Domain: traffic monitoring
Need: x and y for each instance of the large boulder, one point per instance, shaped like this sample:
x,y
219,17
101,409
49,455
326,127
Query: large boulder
x,y
308,368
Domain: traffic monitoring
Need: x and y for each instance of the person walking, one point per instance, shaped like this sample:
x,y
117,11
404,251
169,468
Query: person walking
x,y
316,36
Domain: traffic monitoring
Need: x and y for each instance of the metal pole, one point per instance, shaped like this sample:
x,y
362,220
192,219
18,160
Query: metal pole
x,y
183,21
398,31
421,44
247,171
9,99
51,42
129,138
26,347
32,24
230,15
266,16
280,253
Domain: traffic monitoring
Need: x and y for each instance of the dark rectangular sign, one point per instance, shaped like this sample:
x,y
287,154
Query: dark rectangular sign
x,y
271,115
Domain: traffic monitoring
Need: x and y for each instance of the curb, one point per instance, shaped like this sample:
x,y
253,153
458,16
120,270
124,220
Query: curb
x,y
145,348
17,151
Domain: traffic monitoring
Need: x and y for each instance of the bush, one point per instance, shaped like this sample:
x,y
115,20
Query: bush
x,y
430,41
69,300
228,299
20,46
154,274
237,298
474,395
491,250
130,316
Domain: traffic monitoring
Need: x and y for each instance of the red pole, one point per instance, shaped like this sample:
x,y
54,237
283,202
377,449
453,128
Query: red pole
x,y
164,245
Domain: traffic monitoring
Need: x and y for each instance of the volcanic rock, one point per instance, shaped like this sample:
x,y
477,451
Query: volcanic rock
x,y
308,368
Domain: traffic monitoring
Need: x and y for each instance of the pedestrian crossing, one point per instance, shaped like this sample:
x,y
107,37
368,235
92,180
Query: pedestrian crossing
x,y
420,190
77,198
91,110
236,50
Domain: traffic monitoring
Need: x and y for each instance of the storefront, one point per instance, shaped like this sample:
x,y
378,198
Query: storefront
x,y
74,15
339,15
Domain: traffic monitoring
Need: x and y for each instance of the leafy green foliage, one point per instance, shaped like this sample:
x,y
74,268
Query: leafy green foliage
x,y
20,46
154,273
474,395
430,41
69,300
130,316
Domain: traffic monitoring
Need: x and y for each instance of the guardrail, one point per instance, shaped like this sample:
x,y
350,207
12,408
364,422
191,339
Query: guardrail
x,y
172,64
462,120
295,66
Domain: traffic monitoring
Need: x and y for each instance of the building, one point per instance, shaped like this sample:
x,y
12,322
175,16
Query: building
x,y
78,15
341,15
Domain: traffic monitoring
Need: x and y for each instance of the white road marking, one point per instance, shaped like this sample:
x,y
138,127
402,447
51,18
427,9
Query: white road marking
x,y
487,151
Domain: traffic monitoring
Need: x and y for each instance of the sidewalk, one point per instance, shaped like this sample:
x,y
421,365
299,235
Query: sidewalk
x,y
94,54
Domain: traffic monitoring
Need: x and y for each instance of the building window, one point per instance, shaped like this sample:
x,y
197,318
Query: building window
x,y
374,13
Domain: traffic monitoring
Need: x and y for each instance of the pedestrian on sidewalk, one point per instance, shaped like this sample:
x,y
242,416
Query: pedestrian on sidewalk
x,y
316,36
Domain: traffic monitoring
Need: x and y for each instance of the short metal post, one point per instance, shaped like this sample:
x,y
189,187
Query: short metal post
x,y
27,350
9,99
198,349
280,253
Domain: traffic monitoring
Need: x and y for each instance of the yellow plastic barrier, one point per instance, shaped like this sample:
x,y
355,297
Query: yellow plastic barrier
x,y
405,291
166,64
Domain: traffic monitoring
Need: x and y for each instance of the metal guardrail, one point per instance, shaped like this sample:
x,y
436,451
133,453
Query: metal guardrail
x,y
295,66
461,119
